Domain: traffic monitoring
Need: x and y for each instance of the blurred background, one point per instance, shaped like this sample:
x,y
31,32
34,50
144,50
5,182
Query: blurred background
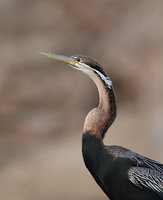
x,y
43,103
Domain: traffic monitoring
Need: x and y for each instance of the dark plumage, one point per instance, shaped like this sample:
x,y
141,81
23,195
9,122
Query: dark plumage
x,y
121,173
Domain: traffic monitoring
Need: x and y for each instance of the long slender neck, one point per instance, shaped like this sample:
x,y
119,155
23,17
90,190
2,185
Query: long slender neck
x,y
100,118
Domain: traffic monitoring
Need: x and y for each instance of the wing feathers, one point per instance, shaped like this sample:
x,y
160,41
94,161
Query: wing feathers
x,y
144,172
148,178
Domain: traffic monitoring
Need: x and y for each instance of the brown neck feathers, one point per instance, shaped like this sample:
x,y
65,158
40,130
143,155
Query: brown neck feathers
x,y
100,118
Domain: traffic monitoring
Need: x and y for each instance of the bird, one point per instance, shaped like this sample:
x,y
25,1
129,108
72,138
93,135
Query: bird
x,y
121,173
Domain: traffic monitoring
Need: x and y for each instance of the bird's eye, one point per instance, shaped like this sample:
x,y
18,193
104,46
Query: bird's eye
x,y
78,59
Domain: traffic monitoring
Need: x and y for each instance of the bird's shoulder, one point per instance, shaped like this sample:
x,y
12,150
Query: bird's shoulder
x,y
137,159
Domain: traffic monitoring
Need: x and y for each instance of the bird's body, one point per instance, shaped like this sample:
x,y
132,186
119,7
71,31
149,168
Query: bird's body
x,y
110,167
121,173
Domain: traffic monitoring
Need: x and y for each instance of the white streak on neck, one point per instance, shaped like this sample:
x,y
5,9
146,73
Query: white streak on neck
x,y
85,69
104,78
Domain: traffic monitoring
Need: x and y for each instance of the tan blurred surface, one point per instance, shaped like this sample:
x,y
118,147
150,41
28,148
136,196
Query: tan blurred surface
x,y
44,103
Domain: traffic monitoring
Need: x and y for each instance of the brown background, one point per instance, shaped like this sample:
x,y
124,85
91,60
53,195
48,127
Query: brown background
x,y
43,103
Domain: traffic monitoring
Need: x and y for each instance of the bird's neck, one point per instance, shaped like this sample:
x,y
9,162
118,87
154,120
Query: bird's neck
x,y
100,118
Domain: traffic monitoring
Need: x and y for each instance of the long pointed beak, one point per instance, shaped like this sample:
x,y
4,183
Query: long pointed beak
x,y
65,59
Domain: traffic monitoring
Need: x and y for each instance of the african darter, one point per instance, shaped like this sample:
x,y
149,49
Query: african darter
x,y
121,173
